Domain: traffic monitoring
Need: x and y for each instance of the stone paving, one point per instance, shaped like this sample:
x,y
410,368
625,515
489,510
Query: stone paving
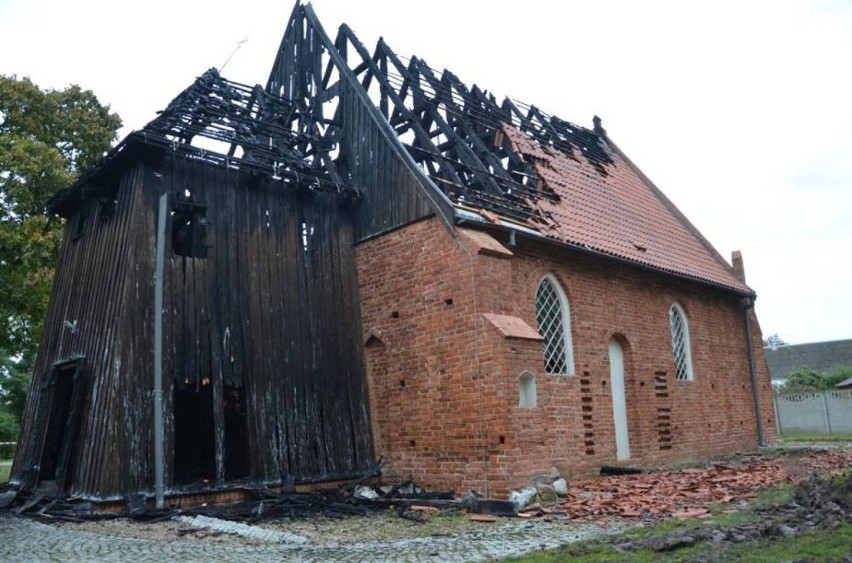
x,y
24,540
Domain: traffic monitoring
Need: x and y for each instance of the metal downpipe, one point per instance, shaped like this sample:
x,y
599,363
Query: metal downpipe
x,y
159,465
748,304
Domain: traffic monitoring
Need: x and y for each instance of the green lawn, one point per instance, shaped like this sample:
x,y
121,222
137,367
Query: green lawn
x,y
813,437
822,545
825,545
5,468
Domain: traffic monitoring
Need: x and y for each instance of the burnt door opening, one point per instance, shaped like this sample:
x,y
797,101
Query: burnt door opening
x,y
236,446
64,405
194,443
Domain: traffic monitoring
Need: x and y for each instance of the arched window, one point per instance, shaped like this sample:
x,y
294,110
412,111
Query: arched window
x,y
554,325
526,387
680,343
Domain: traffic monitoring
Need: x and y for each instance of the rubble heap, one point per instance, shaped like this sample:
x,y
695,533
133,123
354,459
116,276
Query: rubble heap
x,y
691,492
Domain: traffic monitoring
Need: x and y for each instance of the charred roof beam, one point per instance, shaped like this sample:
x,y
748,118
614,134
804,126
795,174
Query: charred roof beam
x,y
562,135
476,167
420,134
481,118
477,102
306,73
275,136
444,88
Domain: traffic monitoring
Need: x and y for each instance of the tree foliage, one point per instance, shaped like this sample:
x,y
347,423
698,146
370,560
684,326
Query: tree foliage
x,y
47,138
14,381
806,379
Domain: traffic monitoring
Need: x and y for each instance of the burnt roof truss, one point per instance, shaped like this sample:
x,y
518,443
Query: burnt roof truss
x,y
452,132
247,128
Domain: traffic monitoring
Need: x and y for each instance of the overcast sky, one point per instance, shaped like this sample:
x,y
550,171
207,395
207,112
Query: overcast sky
x,y
740,111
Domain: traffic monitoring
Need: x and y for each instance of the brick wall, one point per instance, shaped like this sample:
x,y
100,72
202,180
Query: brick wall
x,y
444,382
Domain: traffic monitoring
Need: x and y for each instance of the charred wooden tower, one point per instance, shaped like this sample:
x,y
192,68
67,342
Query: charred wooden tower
x,y
267,192
243,248
260,339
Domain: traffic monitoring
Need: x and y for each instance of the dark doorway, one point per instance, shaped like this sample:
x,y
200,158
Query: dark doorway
x,y
195,450
65,396
236,447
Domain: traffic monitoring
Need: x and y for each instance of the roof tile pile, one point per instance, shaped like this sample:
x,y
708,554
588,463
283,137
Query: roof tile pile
x,y
690,492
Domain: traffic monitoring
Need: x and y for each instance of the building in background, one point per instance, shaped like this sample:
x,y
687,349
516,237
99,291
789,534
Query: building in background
x,y
819,356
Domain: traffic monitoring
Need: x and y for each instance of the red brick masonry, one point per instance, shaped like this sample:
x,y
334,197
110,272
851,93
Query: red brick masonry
x,y
444,378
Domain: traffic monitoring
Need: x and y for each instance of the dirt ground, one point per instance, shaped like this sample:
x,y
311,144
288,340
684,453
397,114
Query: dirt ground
x,y
817,503
385,526
612,502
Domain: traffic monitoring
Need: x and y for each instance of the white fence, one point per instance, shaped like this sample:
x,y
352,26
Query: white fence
x,y
823,412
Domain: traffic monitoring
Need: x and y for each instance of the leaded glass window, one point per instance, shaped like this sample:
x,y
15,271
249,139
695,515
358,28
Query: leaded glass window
x,y
680,343
554,325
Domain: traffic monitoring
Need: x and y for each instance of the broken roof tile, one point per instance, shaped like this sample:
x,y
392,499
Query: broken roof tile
x,y
689,493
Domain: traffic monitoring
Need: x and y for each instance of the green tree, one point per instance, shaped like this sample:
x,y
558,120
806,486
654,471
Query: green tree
x,y
47,138
838,374
806,379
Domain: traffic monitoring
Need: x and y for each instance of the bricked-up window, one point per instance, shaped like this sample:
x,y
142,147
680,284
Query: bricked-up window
x,y
680,343
526,388
554,325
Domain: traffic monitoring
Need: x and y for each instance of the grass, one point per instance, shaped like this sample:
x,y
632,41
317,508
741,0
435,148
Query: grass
x,y
813,437
5,468
824,545
820,545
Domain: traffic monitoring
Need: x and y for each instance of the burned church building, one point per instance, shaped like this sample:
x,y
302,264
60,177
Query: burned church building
x,y
365,259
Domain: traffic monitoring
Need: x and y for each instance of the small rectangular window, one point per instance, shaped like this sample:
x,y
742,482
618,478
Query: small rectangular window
x,y
189,228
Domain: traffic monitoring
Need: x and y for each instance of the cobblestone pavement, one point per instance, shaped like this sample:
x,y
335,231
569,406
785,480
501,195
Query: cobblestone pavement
x,y
24,540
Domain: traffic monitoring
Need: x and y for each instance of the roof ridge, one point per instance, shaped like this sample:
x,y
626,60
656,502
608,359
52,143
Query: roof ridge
x,y
437,199
459,143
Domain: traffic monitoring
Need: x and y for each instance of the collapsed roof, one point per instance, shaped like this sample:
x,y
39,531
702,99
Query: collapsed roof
x,y
224,123
506,163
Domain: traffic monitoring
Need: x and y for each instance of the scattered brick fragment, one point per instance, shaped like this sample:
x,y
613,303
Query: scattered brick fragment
x,y
689,493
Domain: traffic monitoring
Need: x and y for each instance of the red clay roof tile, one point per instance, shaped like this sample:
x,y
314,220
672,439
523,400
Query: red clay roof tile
x,y
486,244
619,214
512,327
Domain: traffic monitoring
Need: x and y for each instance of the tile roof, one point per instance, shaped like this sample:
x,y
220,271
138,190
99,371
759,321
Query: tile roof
x,y
512,327
513,162
485,243
618,213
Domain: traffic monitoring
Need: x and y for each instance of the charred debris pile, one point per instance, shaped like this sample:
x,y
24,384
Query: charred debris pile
x,y
367,496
